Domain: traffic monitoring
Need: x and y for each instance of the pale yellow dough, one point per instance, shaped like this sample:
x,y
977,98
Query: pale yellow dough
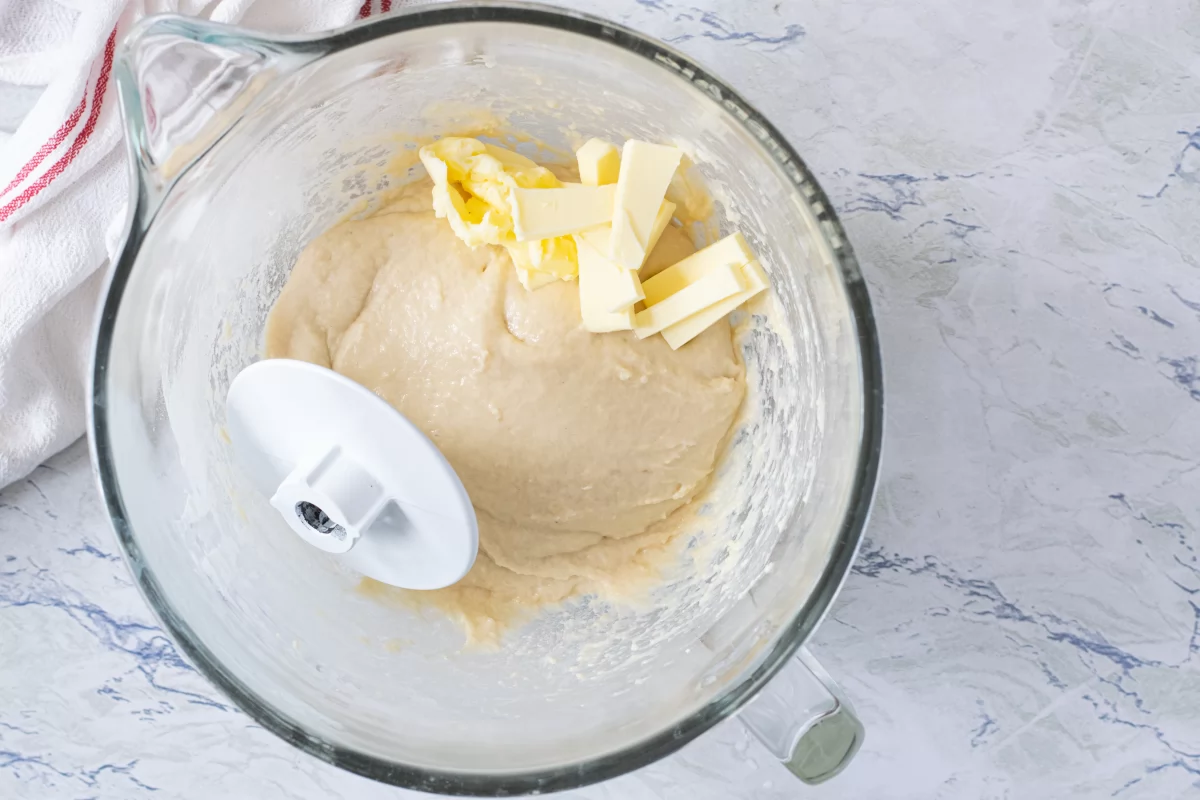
x,y
574,447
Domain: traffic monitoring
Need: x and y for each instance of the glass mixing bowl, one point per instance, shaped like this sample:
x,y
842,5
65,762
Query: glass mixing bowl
x,y
245,148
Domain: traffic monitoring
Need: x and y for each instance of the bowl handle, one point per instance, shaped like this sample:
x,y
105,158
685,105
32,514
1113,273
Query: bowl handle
x,y
805,720
184,83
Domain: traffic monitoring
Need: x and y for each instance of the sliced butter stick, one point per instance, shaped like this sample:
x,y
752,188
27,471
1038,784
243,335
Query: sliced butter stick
x,y
611,288
733,249
665,212
599,283
549,213
646,171
681,333
722,282
599,163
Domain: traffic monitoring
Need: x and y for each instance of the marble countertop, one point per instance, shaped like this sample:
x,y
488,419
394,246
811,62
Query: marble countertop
x,y
1021,182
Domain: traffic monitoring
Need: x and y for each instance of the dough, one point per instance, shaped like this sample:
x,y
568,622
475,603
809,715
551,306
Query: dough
x,y
577,449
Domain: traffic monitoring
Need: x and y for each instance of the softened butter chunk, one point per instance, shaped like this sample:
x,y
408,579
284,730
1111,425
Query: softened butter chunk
x,y
645,173
473,184
543,261
599,162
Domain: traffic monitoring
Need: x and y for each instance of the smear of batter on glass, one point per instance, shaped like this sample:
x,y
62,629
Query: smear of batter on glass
x,y
581,452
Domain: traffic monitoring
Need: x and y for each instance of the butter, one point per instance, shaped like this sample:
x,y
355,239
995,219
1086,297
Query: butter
x,y
544,261
600,283
617,288
599,162
721,282
549,213
511,159
681,333
645,173
733,249
599,231
680,280
623,248
473,186
535,279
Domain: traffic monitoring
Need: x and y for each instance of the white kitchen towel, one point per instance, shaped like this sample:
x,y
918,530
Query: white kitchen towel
x,y
63,193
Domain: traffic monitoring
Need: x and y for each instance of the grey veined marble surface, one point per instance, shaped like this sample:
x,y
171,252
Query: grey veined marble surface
x,y
1022,183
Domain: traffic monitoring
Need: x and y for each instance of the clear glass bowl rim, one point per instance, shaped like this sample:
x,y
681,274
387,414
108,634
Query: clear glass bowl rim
x,y
143,205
